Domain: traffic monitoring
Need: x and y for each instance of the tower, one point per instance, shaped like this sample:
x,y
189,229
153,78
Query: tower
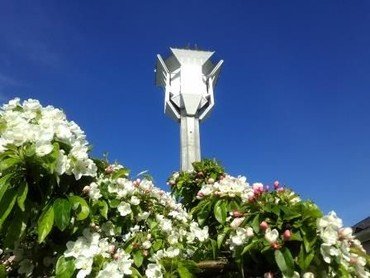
x,y
188,78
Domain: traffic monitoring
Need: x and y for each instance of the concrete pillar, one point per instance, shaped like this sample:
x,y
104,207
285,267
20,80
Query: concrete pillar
x,y
190,141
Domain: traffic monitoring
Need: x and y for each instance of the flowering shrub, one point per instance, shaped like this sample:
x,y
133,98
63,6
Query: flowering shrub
x,y
43,165
268,232
65,214
138,228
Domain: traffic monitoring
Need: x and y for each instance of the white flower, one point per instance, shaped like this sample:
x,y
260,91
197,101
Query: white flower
x,y
173,239
308,275
295,275
236,222
43,148
74,248
329,236
153,271
200,234
124,263
240,236
346,233
134,200
81,168
82,273
143,215
31,104
249,231
12,104
172,252
271,235
146,244
63,133
330,220
124,208
165,224
85,264
327,251
62,163
110,270
94,192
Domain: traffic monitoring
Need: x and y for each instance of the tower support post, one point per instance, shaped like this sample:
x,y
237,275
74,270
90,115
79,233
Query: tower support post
x,y
190,141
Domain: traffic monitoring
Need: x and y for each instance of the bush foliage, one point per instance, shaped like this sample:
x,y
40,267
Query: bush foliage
x,y
65,214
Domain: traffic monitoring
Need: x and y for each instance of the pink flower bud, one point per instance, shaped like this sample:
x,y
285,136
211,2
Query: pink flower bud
x,y
136,183
237,213
287,235
268,275
276,184
111,249
109,169
264,225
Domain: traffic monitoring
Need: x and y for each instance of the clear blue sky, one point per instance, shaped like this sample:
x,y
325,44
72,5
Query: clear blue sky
x,y
292,102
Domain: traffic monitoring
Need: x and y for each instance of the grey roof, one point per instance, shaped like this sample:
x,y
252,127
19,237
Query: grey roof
x,y
362,225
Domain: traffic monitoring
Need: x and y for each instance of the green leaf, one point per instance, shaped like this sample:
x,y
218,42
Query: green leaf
x,y
256,224
6,205
249,246
62,213
114,203
221,237
3,272
157,245
121,173
183,271
45,223
9,162
220,211
280,261
22,195
203,215
135,273
308,259
103,208
296,236
98,263
289,261
4,184
64,268
79,204
138,258
233,205
16,229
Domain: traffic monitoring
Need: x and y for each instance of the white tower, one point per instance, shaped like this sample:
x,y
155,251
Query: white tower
x,y
188,78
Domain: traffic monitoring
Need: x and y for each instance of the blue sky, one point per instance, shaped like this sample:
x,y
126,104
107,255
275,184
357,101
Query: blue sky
x,y
292,102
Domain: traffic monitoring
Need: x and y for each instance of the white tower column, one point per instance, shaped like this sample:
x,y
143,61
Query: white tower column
x,y
188,78
190,141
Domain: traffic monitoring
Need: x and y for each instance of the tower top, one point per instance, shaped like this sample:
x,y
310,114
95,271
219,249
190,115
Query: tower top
x,y
188,77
